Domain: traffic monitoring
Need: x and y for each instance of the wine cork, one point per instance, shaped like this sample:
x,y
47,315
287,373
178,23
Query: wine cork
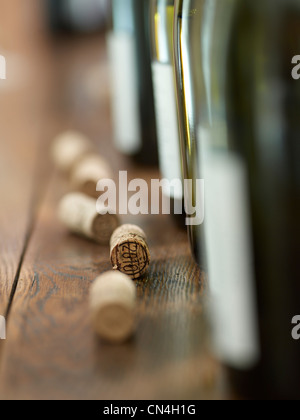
x,y
88,172
79,214
68,148
129,251
112,306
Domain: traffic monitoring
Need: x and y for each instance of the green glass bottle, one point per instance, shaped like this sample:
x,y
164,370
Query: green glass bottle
x,y
237,66
263,105
133,111
163,73
187,21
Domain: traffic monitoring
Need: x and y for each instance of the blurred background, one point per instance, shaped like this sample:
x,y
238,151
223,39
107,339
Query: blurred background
x,y
53,64
57,79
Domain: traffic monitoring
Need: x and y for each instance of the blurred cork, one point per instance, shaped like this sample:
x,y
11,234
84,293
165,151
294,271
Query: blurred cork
x,y
68,149
79,214
129,251
112,306
88,172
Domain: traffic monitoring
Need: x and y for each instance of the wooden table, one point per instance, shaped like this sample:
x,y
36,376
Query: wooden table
x,y
45,273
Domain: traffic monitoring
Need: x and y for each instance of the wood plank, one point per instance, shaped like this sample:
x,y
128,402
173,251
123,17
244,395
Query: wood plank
x,y
19,137
60,357
51,351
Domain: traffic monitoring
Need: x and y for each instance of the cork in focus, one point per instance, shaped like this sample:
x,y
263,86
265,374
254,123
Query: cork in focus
x,y
129,251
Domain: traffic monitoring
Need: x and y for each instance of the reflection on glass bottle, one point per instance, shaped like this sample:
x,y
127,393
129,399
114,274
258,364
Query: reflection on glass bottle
x,y
162,21
187,24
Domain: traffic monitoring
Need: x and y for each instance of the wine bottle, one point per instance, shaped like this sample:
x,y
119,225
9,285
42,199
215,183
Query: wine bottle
x,y
263,102
163,73
55,15
187,21
248,153
227,229
76,15
133,112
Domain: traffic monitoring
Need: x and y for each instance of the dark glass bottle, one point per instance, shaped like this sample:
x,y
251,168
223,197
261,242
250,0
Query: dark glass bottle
x,y
247,149
163,73
131,80
188,16
263,103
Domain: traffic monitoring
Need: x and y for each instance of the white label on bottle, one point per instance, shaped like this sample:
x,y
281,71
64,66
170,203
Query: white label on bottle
x,y
167,124
230,257
125,100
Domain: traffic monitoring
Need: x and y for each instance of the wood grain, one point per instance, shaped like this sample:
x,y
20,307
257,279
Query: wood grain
x,y
21,115
62,359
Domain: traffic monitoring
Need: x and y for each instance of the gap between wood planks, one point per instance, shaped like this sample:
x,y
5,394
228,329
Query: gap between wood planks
x,y
38,193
